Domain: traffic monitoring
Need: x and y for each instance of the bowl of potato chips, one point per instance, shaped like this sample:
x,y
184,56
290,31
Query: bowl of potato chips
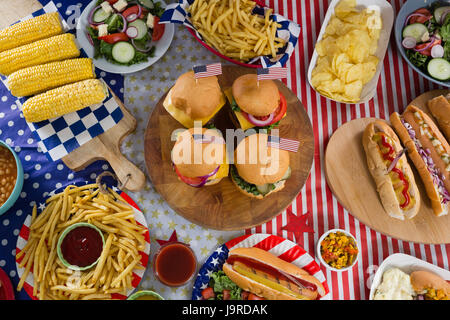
x,y
347,60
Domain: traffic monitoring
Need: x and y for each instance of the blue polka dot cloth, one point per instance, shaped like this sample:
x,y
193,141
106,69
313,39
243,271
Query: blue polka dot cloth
x,y
41,175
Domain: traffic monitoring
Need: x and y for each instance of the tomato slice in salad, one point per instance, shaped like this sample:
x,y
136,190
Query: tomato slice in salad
x,y
419,19
114,37
279,113
112,1
158,29
131,10
427,52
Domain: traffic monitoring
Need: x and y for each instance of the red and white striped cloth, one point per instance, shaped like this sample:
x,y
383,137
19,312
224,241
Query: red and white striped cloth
x,y
398,85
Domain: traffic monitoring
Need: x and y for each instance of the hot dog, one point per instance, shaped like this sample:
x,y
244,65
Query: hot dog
x,y
430,153
430,286
261,273
440,109
392,174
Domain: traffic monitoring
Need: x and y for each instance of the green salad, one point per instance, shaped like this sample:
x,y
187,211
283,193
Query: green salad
x,y
124,32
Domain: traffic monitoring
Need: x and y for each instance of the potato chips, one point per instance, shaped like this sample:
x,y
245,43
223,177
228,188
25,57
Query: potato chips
x,y
346,52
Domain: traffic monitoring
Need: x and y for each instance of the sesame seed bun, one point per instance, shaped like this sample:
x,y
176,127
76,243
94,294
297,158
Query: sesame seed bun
x,y
256,100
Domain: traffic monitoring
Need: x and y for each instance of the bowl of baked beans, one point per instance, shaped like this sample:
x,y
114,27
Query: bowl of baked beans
x,y
11,177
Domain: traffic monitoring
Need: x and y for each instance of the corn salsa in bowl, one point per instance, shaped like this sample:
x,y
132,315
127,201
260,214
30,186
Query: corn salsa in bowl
x,y
337,249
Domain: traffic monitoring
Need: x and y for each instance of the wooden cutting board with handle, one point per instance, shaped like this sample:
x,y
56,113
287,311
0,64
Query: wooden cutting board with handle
x,y
352,184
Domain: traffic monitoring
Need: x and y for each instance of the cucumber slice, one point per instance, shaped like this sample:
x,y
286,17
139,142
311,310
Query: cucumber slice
x,y
439,69
141,27
264,188
123,52
100,15
287,174
147,3
415,30
439,12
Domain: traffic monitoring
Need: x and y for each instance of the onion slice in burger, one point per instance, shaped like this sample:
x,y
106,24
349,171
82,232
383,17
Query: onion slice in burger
x,y
277,115
261,123
196,182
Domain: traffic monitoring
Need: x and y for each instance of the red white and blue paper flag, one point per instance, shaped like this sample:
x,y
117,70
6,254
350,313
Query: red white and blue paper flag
x,y
208,70
271,73
282,143
204,138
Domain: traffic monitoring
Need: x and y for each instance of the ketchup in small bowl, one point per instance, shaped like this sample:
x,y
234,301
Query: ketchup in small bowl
x,y
174,264
80,246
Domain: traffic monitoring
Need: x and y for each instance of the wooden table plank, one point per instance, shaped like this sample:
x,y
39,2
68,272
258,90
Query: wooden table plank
x,y
11,11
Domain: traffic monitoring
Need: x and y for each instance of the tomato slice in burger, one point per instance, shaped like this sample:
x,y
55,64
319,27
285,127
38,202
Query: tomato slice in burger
x,y
279,112
158,30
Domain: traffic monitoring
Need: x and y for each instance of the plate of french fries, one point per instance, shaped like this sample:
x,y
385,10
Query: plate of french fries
x,y
239,31
123,259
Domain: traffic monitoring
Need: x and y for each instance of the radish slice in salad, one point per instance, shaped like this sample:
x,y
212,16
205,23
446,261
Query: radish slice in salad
x,y
437,51
132,32
261,123
409,42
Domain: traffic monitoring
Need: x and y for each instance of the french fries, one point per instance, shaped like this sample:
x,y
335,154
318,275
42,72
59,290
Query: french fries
x,y
230,27
120,256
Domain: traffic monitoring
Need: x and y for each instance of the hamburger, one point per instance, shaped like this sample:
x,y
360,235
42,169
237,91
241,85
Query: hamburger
x,y
199,157
259,170
193,99
255,105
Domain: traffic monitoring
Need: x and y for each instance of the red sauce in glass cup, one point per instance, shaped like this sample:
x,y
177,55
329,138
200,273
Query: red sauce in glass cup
x,y
82,246
175,264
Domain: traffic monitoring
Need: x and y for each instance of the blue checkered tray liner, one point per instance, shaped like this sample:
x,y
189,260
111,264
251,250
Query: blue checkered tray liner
x,y
289,30
59,136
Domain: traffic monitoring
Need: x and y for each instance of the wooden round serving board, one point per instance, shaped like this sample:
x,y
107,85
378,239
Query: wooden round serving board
x,y
351,182
222,206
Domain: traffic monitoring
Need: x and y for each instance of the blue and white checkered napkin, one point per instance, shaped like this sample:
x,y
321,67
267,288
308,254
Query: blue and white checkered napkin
x,y
289,30
59,136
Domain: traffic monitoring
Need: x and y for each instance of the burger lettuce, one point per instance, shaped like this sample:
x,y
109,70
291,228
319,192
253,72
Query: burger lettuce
x,y
250,188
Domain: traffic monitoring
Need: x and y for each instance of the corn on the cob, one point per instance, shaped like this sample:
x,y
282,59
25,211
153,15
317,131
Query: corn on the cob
x,y
37,79
21,33
69,98
56,48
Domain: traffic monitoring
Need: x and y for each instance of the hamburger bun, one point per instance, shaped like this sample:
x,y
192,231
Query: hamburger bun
x,y
258,163
258,100
199,98
202,158
421,281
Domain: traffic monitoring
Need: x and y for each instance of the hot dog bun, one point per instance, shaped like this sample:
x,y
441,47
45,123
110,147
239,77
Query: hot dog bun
x,y
270,277
378,168
440,109
423,281
414,143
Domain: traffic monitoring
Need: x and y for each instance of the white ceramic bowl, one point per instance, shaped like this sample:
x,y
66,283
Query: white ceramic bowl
x,y
407,264
161,46
387,15
319,255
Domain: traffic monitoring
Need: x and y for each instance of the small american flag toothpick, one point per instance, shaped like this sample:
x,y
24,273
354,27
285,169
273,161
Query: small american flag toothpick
x,y
271,73
208,70
282,143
